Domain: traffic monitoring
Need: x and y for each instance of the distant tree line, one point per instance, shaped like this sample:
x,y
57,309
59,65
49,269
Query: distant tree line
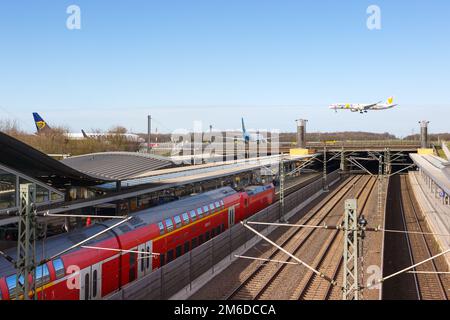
x,y
55,141
431,137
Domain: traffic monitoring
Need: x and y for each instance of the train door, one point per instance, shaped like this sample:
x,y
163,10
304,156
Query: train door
x,y
133,267
142,255
91,282
149,257
231,217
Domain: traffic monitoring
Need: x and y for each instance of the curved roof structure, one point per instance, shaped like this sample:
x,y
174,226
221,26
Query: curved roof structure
x,y
23,158
117,165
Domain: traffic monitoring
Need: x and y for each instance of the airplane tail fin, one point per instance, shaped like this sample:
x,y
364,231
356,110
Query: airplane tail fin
x,y
243,125
390,100
84,134
40,123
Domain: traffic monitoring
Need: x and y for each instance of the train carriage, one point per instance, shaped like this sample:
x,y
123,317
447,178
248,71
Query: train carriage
x,y
124,254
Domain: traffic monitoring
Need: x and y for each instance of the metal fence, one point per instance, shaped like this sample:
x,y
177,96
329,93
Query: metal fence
x,y
179,274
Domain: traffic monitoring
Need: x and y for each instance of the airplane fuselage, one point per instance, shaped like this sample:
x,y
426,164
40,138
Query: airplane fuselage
x,y
81,136
363,107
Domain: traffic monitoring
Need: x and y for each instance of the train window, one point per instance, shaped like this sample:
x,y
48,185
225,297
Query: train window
x,y
185,218
206,210
162,259
207,236
58,265
193,215
142,260
246,203
94,283
177,220
218,230
169,255
200,239
86,286
211,207
42,275
217,205
186,246
11,282
161,227
149,254
200,212
179,252
222,204
132,259
169,225
194,243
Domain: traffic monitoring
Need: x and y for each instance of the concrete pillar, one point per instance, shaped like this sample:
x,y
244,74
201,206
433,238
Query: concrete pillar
x,y
424,134
224,147
301,133
192,153
235,149
343,162
149,133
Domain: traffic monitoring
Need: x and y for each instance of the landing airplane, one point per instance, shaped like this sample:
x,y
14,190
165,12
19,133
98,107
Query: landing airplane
x,y
364,108
42,126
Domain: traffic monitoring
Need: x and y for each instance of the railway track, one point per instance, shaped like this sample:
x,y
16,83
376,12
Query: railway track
x,y
298,185
264,280
330,259
430,285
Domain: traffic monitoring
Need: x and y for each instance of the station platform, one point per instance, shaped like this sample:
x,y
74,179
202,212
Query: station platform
x,y
446,149
436,213
436,172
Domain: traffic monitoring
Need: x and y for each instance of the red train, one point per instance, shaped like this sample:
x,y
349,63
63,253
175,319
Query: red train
x,y
171,230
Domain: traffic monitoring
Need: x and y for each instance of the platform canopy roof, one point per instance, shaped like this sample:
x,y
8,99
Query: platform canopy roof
x,y
23,158
118,166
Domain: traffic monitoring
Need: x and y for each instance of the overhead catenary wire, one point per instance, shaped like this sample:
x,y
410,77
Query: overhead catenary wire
x,y
7,257
414,232
429,272
122,250
320,274
265,260
377,282
331,227
85,240
294,225
47,214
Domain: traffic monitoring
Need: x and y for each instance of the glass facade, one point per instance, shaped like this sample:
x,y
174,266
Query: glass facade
x,y
7,190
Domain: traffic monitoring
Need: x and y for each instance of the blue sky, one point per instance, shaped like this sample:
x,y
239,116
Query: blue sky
x,y
217,60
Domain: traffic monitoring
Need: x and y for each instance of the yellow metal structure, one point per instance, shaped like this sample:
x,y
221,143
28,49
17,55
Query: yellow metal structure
x,y
424,151
301,152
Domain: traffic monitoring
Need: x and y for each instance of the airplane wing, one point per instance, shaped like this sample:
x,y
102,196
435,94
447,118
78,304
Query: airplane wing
x,y
369,106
